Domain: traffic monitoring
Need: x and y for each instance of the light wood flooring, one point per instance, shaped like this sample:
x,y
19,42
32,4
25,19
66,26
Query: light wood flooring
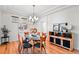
x,y
12,48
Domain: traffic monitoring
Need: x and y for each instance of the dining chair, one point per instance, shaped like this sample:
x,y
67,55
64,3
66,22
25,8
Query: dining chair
x,y
26,33
27,40
38,33
23,45
20,44
42,43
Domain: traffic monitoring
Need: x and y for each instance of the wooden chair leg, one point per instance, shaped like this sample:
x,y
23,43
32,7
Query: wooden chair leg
x,y
22,50
19,49
33,49
45,50
33,46
27,50
41,47
41,50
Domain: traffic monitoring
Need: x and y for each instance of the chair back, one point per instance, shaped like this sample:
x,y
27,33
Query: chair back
x,y
38,33
43,37
20,44
43,41
20,39
26,33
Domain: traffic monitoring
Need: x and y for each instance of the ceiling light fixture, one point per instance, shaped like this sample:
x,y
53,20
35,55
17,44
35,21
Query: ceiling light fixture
x,y
33,18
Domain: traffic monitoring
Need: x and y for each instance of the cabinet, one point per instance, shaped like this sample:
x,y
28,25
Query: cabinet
x,y
60,39
52,39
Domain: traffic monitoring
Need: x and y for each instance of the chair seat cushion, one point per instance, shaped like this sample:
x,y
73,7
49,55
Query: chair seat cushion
x,y
37,45
27,45
26,40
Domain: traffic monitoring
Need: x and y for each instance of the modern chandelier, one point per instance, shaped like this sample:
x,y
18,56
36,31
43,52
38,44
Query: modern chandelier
x,y
33,18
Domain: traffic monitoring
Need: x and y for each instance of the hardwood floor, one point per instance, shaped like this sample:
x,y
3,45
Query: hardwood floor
x,y
12,48
53,49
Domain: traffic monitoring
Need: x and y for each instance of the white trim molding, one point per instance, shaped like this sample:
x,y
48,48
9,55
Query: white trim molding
x,y
54,10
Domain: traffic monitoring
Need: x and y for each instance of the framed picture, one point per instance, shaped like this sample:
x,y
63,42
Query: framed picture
x,y
61,27
56,27
22,26
15,19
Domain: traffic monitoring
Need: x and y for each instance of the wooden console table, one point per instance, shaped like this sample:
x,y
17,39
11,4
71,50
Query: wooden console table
x,y
62,41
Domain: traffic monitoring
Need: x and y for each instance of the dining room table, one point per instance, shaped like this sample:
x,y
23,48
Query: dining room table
x,y
37,41
34,38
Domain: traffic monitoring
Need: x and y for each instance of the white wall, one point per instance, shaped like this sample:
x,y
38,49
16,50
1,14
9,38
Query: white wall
x,y
0,25
6,19
43,24
70,15
12,27
0,18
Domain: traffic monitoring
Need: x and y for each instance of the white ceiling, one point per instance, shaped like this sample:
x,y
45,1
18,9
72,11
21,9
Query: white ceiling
x,y
27,10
